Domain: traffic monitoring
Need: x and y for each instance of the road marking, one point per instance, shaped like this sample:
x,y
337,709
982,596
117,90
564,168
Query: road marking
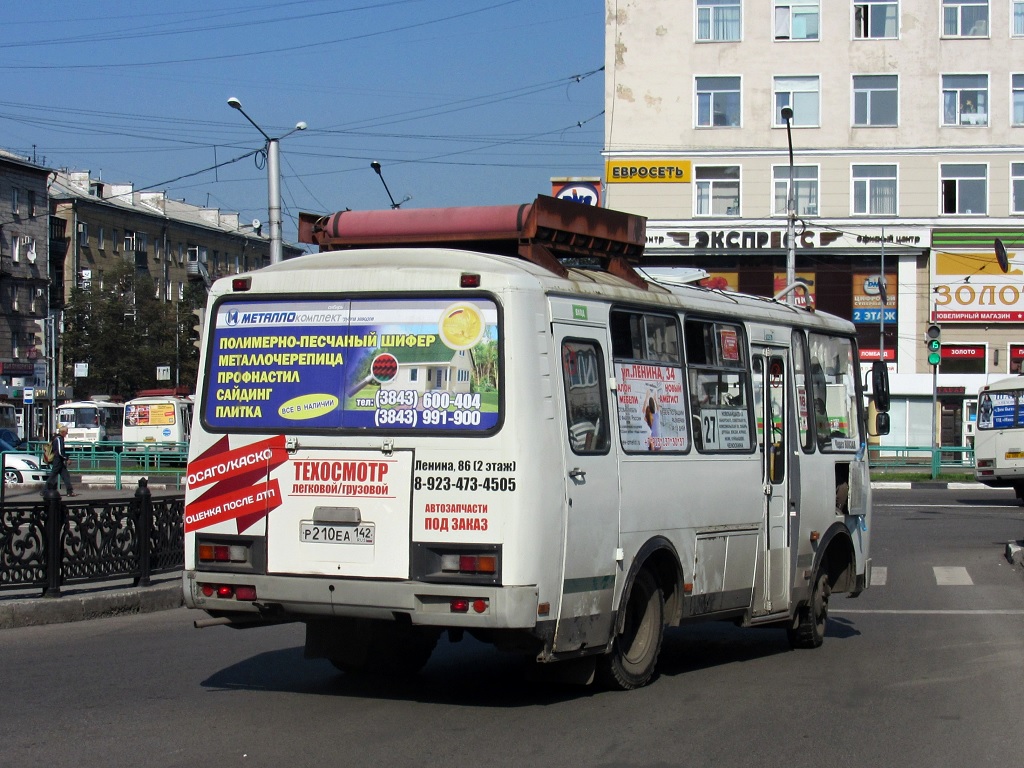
x,y
878,576
952,576
952,612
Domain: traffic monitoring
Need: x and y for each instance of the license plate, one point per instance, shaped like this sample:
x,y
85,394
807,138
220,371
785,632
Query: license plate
x,y
1015,454
335,533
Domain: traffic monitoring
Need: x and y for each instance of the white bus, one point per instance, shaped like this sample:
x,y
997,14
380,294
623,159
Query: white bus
x,y
999,435
92,421
157,421
394,443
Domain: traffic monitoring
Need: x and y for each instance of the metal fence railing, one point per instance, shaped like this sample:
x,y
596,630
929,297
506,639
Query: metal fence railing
x,y
57,542
924,458
120,460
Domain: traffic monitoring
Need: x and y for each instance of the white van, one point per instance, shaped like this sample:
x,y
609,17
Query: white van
x,y
157,422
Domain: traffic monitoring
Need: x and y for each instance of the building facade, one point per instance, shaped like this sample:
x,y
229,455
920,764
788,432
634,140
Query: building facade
x,y
901,157
25,272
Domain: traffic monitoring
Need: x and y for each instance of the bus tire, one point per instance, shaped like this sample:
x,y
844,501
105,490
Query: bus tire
x,y
384,648
1019,490
808,629
635,649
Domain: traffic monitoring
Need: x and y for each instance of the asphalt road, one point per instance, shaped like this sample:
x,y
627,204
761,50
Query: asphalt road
x,y
924,669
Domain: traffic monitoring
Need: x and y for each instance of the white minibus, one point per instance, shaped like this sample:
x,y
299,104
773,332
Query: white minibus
x,y
551,454
157,421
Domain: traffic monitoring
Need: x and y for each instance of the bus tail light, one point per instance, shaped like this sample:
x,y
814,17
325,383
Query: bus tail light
x,y
469,563
222,553
246,593
464,604
984,463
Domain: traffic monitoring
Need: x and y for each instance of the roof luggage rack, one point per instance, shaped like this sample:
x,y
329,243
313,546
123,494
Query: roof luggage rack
x,y
552,233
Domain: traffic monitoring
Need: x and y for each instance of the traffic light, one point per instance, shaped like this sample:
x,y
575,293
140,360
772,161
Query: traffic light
x,y
198,328
933,340
39,335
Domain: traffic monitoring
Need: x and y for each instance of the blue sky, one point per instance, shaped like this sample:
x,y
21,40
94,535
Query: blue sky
x,y
463,102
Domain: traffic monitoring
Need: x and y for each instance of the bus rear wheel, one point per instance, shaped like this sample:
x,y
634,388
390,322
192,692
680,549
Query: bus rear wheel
x,y
635,650
808,629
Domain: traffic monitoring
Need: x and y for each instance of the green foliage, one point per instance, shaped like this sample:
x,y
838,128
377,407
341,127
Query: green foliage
x,y
124,332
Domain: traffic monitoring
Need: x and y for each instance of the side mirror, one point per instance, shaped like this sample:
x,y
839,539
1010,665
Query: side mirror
x,y
880,386
881,424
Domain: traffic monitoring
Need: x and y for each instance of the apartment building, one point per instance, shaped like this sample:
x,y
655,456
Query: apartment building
x,y
901,156
24,273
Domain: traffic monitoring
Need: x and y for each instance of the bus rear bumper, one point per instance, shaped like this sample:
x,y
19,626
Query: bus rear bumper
x,y
296,598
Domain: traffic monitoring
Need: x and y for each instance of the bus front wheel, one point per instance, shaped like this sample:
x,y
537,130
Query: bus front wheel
x,y
635,650
808,629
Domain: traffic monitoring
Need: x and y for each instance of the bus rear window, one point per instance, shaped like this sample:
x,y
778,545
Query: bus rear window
x,y
426,364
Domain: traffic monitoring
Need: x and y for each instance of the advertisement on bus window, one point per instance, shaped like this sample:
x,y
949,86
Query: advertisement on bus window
x,y
411,364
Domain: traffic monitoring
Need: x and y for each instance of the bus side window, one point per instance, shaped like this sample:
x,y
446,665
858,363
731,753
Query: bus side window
x,y
585,401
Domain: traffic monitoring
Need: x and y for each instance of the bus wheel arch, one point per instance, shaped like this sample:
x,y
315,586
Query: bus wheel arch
x,y
650,597
835,570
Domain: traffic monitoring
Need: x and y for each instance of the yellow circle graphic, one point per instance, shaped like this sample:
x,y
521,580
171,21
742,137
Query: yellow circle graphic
x,y
461,326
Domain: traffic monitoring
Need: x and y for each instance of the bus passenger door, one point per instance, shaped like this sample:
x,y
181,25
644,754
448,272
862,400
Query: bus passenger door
x,y
771,373
592,491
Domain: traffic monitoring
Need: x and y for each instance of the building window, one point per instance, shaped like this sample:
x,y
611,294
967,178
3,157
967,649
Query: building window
x,y
875,19
83,234
965,18
181,291
141,242
964,188
717,190
875,100
31,203
965,99
805,189
129,241
1017,85
718,20
796,19
1016,187
802,95
113,240
100,241
718,101
15,205
874,189
1018,18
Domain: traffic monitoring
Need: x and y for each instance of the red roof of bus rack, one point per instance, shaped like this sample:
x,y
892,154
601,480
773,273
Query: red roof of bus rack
x,y
544,232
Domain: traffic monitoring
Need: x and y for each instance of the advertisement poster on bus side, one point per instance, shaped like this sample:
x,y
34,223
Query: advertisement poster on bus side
x,y
409,364
652,414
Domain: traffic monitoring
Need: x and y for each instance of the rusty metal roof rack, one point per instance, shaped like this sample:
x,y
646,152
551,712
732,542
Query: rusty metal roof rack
x,y
552,233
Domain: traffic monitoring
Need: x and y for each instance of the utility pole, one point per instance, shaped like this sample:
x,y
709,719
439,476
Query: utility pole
x,y
787,115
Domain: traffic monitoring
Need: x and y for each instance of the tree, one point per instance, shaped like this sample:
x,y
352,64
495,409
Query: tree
x,y
124,331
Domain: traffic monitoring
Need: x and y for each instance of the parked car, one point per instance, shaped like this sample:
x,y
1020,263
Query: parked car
x,y
20,467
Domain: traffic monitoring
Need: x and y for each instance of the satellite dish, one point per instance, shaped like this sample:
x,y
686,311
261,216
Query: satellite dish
x,y
256,224
1004,263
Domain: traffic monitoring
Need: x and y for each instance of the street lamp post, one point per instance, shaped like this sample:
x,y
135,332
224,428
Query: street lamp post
x,y
787,115
273,181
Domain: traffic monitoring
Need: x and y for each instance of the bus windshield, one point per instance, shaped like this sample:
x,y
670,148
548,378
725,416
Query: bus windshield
x,y
79,417
1001,409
